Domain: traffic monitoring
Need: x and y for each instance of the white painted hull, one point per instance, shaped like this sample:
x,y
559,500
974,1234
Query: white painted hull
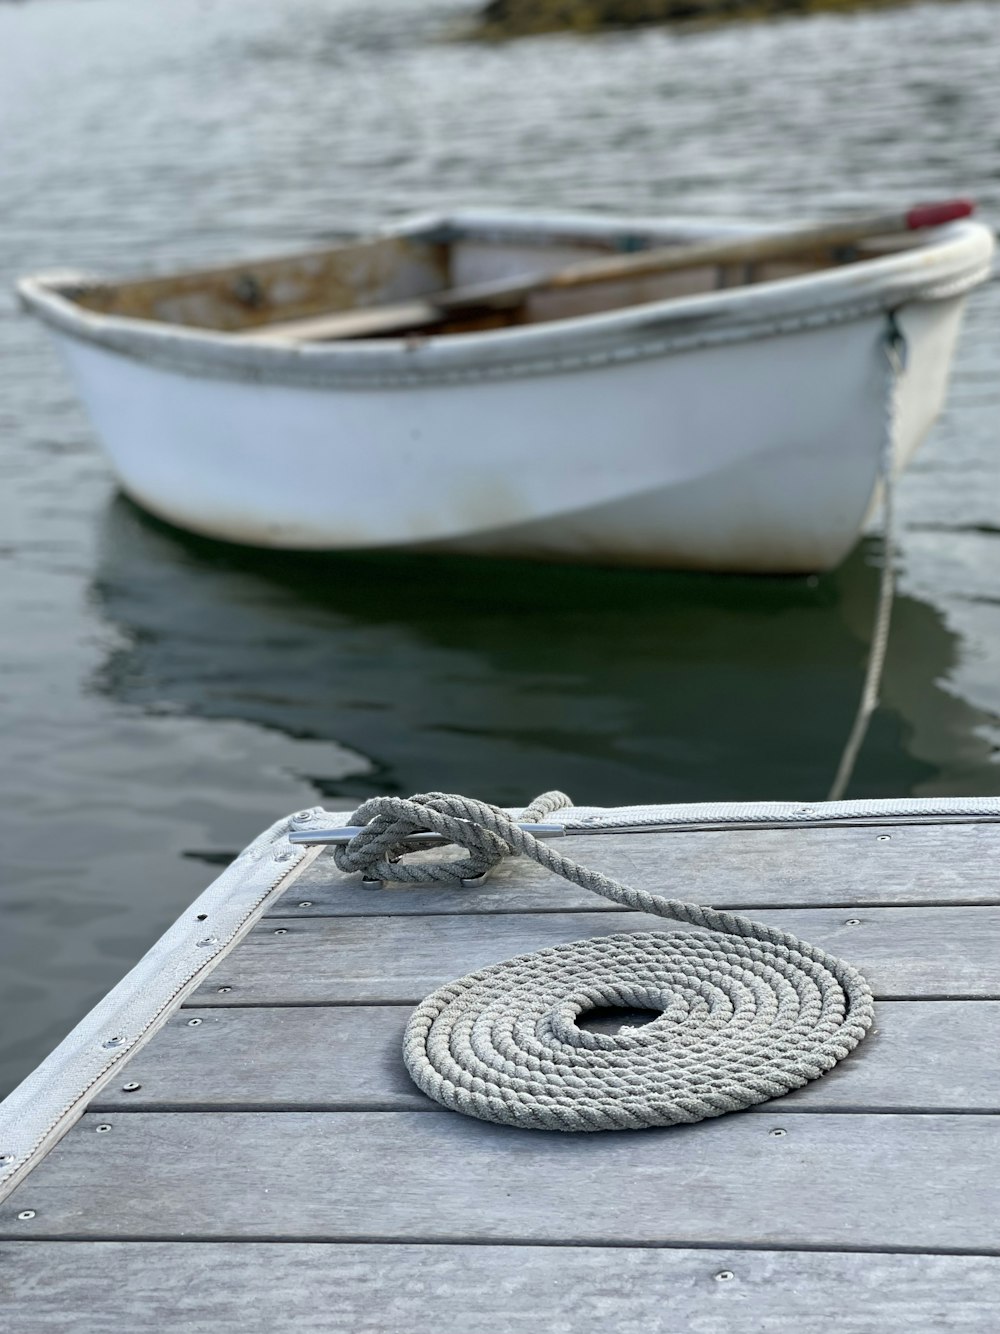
x,y
731,431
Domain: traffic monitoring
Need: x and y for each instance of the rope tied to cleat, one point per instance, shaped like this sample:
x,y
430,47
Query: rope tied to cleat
x,y
747,1012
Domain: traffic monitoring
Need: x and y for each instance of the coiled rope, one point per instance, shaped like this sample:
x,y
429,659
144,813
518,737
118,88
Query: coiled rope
x,y
748,1012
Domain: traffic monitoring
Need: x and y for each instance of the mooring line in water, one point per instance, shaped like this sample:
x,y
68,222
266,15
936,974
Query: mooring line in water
x,y
748,1012
895,355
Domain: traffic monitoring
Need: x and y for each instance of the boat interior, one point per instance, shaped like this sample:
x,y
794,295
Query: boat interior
x,y
387,286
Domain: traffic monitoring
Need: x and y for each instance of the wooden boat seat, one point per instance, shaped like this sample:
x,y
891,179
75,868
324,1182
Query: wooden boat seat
x,y
366,322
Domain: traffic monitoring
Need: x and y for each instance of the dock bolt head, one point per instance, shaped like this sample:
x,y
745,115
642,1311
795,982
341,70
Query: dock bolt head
x,y
103,1128
25,1214
111,1043
131,1086
724,1275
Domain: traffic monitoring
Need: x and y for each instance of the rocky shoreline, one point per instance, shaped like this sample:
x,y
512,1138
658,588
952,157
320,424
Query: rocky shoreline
x,y
522,18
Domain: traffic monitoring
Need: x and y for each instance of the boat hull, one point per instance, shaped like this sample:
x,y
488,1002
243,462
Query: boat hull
x,y
757,457
747,448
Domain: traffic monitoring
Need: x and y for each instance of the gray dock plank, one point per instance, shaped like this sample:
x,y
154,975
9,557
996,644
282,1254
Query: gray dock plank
x,y
49,1288
923,1055
905,952
892,865
829,1182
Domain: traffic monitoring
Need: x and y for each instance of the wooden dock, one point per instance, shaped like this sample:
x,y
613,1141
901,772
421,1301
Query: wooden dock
x,y
253,1156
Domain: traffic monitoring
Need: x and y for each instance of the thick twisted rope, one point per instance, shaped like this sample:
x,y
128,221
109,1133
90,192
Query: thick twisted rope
x,y
748,1012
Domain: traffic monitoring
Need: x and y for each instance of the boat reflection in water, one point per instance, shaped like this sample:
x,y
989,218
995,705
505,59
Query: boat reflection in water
x,y
502,679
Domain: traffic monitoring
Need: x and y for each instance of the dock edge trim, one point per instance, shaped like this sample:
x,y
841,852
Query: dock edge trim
x,y
702,816
40,1110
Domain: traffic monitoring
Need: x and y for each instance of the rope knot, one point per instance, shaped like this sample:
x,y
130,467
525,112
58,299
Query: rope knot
x,y
390,823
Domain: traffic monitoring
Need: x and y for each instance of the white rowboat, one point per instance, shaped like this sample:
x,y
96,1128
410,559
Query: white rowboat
x,y
718,416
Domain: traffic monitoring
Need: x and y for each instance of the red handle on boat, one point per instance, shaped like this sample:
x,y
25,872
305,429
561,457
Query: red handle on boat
x,y
934,215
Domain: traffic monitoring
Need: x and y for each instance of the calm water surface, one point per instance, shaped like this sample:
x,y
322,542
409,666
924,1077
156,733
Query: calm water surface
x,y
163,698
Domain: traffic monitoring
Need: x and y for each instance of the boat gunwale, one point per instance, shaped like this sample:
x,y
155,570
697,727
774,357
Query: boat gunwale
x,y
948,262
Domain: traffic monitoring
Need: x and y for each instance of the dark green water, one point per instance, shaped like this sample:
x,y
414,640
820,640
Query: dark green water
x,y
489,675
162,698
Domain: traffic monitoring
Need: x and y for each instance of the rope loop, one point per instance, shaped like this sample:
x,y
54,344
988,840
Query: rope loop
x,y
748,1012
474,825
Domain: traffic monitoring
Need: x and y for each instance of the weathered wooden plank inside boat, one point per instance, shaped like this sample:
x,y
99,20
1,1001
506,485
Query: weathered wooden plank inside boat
x,y
273,1108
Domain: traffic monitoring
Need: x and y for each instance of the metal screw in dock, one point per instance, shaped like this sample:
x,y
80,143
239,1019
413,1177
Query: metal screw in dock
x,y
103,1128
25,1214
777,1132
131,1087
193,1023
724,1275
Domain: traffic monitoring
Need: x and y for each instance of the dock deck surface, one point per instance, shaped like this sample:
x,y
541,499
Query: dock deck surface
x,y
264,1162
